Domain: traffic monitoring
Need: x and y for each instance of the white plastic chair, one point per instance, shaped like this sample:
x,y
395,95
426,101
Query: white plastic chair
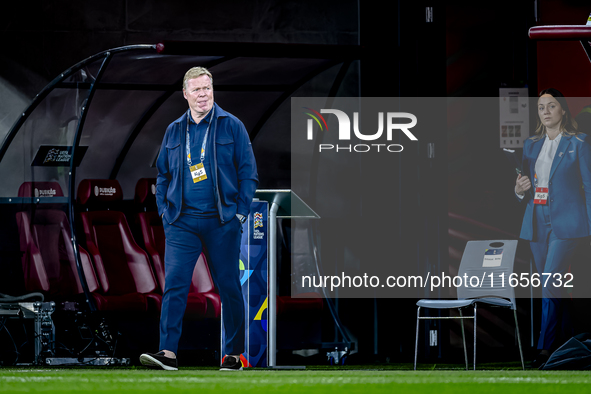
x,y
480,260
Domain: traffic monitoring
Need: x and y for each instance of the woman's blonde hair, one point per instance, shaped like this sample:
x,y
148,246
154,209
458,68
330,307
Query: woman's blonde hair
x,y
568,125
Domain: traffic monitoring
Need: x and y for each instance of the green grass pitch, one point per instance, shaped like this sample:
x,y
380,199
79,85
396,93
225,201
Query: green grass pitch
x,y
309,381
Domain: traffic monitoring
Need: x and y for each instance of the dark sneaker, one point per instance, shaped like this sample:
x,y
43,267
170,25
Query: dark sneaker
x,y
231,363
540,361
159,361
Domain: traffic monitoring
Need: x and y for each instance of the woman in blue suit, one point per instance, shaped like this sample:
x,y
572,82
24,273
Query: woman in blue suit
x,y
556,185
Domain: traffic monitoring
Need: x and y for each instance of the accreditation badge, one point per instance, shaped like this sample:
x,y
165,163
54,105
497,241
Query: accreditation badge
x,y
198,173
541,196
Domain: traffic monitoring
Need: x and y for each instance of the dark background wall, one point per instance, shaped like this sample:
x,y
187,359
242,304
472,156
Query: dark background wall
x,y
43,37
488,47
468,49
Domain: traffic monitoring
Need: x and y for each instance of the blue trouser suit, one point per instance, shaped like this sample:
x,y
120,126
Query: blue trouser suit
x,y
552,255
185,240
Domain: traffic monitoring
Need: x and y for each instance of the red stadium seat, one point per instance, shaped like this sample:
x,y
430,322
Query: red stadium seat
x,y
123,268
48,261
203,300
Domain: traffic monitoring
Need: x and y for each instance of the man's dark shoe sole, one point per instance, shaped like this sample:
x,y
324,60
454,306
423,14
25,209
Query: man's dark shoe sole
x,y
148,360
231,369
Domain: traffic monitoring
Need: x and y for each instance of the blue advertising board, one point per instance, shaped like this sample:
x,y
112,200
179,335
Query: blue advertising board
x,y
253,277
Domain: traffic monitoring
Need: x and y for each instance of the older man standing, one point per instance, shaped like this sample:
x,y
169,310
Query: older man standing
x,y
207,177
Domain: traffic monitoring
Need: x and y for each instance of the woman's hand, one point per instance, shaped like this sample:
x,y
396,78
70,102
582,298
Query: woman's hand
x,y
522,184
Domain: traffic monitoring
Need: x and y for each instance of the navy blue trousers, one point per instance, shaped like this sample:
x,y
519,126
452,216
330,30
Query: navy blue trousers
x,y
552,255
185,240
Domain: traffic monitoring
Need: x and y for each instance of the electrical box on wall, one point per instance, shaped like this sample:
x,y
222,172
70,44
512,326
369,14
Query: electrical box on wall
x,y
513,117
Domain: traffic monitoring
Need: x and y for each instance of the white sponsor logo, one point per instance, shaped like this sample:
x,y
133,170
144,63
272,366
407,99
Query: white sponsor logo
x,y
45,193
344,132
57,156
105,191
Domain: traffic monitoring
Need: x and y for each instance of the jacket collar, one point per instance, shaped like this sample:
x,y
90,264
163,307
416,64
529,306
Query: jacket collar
x,y
562,147
218,113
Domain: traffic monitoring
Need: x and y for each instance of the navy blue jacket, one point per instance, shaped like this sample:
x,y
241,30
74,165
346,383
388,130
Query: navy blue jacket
x,y
569,189
234,168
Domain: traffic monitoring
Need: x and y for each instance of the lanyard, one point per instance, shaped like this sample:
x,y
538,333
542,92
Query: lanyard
x,y
189,162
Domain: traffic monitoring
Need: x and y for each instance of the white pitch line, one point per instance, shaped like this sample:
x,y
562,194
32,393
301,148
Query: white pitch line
x,y
304,380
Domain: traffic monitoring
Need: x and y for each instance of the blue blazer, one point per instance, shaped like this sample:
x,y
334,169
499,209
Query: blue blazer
x,y
569,188
234,176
